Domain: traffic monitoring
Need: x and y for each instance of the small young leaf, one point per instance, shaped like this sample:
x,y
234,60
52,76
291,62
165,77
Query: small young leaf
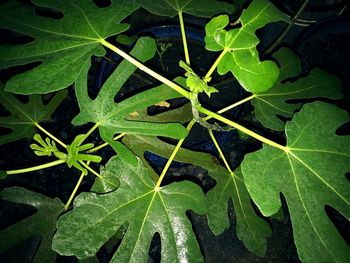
x,y
95,218
24,115
239,46
276,101
113,117
203,8
42,223
310,175
64,47
194,82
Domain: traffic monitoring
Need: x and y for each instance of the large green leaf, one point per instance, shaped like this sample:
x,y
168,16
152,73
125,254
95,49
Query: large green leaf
x,y
310,175
238,45
63,46
112,117
251,229
24,115
204,8
276,101
42,223
97,217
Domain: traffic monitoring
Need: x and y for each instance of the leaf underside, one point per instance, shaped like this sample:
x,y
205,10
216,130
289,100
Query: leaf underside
x,y
42,223
95,218
241,56
63,46
278,101
23,116
310,175
203,8
251,229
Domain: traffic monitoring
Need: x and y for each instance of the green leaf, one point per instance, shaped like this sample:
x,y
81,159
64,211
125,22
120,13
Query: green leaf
x,y
24,115
238,45
251,229
112,117
95,218
310,176
194,82
203,8
42,223
276,101
64,46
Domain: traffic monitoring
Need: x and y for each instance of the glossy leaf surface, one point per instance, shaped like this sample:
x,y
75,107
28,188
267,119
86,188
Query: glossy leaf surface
x,y
96,218
238,45
251,229
277,101
23,116
204,8
42,223
63,46
113,118
310,176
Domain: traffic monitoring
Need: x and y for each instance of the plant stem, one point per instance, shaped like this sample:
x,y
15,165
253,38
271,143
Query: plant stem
x,y
242,128
91,170
172,156
89,132
232,106
219,150
184,40
214,66
35,168
149,71
286,30
186,94
105,144
74,191
50,135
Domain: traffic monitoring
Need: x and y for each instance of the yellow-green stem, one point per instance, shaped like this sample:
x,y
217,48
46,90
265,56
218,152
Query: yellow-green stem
x,y
219,150
90,169
50,135
214,66
89,132
74,191
35,168
232,106
242,128
105,144
186,94
184,40
149,71
172,156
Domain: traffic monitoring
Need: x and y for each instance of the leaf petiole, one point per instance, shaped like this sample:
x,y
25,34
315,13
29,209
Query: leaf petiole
x,y
207,76
90,169
66,206
35,168
86,135
219,150
243,129
146,69
172,156
50,135
232,106
184,40
105,144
